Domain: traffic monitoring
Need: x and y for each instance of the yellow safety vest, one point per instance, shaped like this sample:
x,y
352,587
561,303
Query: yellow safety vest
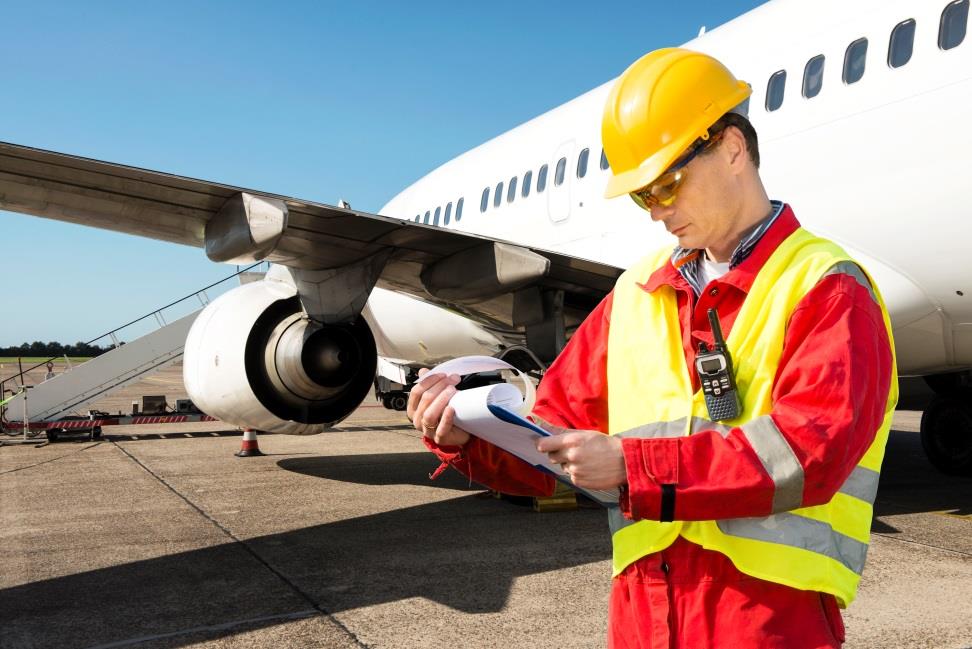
x,y
820,548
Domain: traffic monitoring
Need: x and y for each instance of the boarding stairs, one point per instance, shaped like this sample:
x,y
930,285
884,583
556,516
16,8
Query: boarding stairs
x,y
68,393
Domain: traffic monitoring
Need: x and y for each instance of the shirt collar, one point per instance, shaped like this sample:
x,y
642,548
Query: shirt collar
x,y
749,256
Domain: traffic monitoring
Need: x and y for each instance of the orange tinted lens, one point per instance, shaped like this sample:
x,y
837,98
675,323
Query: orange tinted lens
x,y
660,192
639,200
663,190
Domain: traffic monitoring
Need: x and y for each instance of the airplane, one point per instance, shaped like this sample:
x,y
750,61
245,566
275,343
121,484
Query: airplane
x,y
860,110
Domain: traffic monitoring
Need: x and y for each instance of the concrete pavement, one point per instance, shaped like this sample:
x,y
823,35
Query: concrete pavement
x,y
340,540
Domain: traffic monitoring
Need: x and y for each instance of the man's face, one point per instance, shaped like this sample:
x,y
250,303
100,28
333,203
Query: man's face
x,y
704,211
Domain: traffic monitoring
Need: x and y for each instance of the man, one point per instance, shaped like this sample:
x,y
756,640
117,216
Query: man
x,y
746,530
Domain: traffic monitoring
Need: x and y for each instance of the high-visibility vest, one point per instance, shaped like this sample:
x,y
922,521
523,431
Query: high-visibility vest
x,y
820,548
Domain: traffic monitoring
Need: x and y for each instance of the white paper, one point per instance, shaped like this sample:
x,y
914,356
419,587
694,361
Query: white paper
x,y
465,365
473,415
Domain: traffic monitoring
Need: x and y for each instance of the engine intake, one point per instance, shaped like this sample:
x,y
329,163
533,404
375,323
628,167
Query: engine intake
x,y
254,359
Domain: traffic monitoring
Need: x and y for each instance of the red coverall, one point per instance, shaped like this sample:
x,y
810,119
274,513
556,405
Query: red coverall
x,y
829,397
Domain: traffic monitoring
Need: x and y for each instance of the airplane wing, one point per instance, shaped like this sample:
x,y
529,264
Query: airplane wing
x,y
502,285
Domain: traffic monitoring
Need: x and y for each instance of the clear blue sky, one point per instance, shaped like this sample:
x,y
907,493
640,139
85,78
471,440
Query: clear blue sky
x,y
317,100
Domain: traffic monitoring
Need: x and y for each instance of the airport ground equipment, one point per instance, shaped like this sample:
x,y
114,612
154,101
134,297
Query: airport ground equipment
x,y
93,424
71,391
68,393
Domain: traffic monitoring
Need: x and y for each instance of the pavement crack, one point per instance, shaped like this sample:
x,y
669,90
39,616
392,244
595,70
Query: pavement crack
x,y
246,546
53,459
924,545
227,626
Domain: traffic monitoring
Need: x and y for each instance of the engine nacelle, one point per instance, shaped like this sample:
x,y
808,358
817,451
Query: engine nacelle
x,y
253,359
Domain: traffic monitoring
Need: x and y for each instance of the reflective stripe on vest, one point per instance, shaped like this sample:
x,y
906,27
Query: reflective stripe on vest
x,y
818,548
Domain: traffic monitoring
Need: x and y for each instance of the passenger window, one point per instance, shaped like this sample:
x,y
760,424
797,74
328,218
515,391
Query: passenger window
x,y
527,179
448,213
902,43
604,161
483,204
426,219
774,90
559,174
955,19
542,179
418,217
854,61
511,192
582,163
498,194
813,77
435,219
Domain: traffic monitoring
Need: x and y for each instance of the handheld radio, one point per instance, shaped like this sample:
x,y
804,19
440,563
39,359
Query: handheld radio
x,y
716,375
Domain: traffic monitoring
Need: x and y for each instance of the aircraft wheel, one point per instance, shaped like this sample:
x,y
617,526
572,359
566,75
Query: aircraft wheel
x,y
398,401
52,435
946,434
96,432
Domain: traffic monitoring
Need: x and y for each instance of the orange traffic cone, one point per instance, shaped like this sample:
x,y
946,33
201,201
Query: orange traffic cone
x,y
250,447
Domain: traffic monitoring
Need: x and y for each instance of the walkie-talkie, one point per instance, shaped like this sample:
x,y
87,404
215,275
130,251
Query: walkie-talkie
x,y
716,374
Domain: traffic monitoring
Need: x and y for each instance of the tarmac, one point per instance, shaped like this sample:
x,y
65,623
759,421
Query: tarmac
x,y
160,537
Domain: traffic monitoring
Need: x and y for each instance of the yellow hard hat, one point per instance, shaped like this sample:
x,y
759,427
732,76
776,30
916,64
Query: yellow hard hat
x,y
660,105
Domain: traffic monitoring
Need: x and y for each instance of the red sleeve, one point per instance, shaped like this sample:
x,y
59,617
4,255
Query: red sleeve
x,y
829,397
572,394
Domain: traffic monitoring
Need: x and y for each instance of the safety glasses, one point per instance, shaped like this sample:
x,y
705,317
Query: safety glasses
x,y
662,191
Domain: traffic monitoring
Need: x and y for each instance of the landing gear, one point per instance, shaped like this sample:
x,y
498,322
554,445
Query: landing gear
x,y
946,433
396,400
950,384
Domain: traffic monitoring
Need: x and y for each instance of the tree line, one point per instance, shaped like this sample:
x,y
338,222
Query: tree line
x,y
52,349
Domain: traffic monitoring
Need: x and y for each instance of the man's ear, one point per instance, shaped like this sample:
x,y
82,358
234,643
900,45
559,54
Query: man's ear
x,y
734,145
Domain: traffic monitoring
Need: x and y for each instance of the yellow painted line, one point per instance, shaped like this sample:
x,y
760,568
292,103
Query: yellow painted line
x,y
967,517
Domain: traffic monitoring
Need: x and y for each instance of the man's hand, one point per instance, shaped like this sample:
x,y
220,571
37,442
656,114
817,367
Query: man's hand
x,y
592,459
430,413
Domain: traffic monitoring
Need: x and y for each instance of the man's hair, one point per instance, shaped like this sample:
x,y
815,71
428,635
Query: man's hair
x,y
747,130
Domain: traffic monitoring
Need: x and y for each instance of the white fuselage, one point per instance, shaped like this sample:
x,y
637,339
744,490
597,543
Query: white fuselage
x,y
875,165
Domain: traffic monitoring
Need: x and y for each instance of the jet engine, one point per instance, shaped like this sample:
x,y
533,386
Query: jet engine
x,y
254,359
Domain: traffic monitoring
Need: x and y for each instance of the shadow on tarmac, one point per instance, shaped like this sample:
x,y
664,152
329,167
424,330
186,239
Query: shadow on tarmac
x,y
911,485
464,553
396,469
